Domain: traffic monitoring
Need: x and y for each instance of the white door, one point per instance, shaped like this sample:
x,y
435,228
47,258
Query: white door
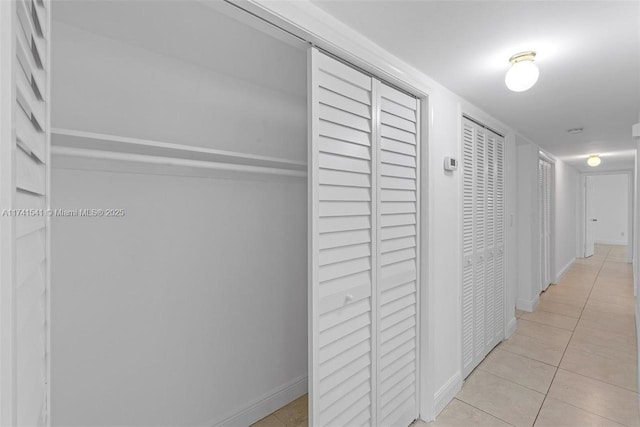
x,y
363,187
398,231
482,243
545,192
24,184
590,220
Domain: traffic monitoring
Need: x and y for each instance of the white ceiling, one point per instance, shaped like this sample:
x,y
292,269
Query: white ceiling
x,y
588,55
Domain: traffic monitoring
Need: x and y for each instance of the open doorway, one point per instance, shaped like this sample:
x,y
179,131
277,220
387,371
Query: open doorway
x,y
607,220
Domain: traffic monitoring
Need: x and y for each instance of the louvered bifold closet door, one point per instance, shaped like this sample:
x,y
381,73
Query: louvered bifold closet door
x,y
480,244
398,257
342,245
483,237
31,176
363,169
498,263
490,204
468,249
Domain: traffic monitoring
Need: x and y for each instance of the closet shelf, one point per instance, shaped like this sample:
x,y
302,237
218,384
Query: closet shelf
x,y
74,143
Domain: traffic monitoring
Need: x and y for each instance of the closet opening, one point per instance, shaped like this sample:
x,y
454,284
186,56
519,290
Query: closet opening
x,y
212,268
188,305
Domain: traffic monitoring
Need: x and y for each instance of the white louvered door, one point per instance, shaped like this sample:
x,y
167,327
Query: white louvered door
x,y
498,259
480,211
398,257
482,243
544,181
468,249
490,297
363,187
25,200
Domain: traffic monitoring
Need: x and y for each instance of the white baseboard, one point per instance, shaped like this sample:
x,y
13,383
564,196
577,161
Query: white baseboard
x,y
511,327
612,242
265,405
527,305
564,270
446,393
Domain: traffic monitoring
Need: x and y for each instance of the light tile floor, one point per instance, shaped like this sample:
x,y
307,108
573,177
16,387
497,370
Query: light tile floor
x,y
572,362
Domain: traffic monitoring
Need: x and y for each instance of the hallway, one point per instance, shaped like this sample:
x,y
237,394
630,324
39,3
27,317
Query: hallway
x,y
572,362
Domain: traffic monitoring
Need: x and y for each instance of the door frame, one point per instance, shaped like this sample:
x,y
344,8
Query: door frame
x,y
552,222
582,212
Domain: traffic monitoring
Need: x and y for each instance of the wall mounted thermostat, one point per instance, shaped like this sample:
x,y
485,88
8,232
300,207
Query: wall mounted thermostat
x,y
450,164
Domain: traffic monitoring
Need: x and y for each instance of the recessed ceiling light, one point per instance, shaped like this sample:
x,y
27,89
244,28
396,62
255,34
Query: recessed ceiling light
x,y
575,131
593,160
523,73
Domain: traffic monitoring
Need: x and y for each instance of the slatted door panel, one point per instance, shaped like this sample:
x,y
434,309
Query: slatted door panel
x,y
398,255
499,264
31,176
342,244
480,212
490,297
468,249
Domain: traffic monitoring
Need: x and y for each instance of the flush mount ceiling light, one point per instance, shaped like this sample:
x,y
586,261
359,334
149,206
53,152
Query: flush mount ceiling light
x,y
593,160
523,73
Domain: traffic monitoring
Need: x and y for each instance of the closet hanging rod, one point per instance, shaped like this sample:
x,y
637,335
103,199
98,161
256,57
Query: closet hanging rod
x,y
131,146
86,153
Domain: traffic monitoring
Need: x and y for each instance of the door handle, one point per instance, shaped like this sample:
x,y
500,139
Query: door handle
x,y
594,219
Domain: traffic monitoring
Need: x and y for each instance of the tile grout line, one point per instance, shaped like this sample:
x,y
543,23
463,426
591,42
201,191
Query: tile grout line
x,y
527,357
552,312
569,342
546,324
606,330
482,410
511,381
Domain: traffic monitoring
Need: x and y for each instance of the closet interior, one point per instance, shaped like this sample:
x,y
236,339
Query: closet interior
x,y
188,302
189,305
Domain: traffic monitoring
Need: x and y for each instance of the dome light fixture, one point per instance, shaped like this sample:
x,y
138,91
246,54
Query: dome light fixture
x,y
593,160
523,73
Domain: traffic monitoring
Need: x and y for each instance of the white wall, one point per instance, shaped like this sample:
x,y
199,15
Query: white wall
x,y
566,202
194,305
528,220
611,208
564,211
